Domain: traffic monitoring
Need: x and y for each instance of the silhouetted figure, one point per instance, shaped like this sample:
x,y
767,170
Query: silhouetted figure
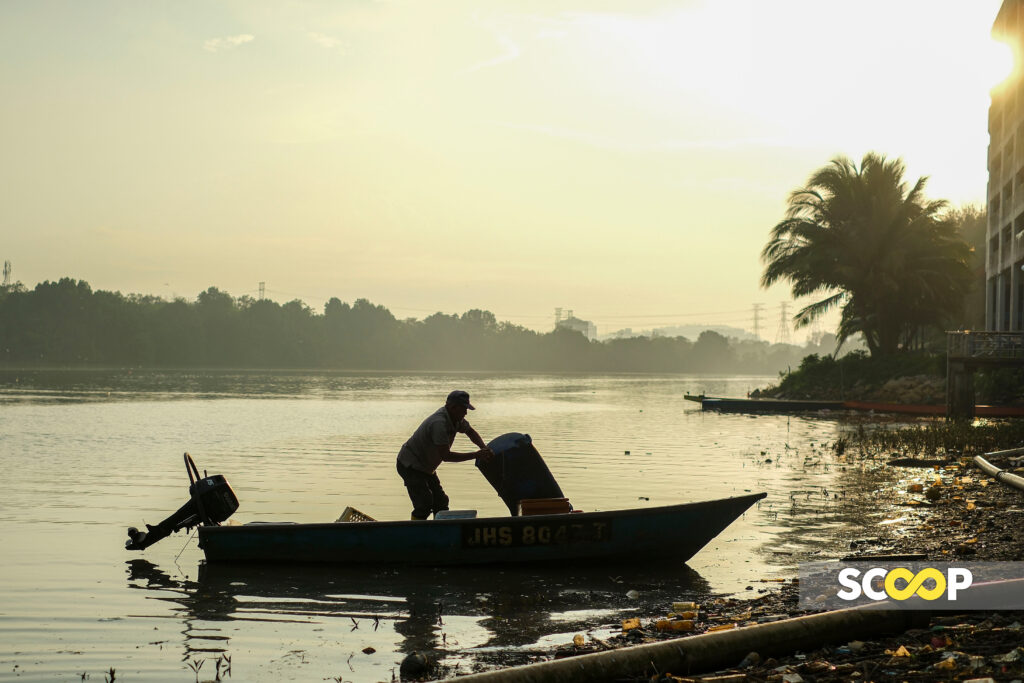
x,y
429,446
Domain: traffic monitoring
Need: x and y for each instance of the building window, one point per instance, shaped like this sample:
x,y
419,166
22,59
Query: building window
x,y
1018,315
1005,286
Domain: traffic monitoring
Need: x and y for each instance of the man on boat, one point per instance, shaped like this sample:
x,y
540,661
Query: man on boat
x,y
429,446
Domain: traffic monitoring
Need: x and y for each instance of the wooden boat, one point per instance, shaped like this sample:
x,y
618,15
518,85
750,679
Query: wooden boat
x,y
676,531
556,534
937,410
772,405
766,405
899,408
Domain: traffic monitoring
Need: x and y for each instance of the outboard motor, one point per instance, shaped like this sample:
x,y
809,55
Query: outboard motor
x,y
211,502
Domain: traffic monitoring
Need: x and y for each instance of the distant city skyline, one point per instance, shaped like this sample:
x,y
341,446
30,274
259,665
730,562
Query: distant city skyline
x,y
628,159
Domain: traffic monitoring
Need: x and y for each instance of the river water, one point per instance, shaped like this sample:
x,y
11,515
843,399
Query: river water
x,y
86,454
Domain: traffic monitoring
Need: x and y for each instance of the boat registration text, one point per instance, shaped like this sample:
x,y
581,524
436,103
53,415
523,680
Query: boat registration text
x,y
529,533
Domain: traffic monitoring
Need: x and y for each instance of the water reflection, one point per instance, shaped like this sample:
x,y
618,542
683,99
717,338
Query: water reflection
x,y
470,615
194,604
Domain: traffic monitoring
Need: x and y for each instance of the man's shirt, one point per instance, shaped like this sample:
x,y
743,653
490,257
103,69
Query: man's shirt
x,y
420,451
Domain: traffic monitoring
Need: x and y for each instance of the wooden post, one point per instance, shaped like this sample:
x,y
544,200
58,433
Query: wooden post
x,y
959,391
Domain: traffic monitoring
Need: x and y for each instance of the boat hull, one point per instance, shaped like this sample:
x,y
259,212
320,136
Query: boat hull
x,y
938,410
773,405
767,405
676,531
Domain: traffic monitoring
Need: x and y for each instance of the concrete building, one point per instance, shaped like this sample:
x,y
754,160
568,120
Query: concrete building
x,y
571,322
1004,264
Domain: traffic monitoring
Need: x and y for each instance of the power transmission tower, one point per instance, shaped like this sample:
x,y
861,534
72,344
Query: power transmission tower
x,y
558,316
782,336
263,290
7,273
816,332
757,320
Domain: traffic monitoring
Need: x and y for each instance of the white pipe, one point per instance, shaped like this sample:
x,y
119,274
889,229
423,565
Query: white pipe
x,y
1012,451
1002,476
711,651
724,649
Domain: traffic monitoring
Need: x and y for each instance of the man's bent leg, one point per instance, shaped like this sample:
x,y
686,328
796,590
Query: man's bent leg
x,y
418,486
440,498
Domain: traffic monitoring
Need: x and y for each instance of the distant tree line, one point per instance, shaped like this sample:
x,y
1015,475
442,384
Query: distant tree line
x,y
67,324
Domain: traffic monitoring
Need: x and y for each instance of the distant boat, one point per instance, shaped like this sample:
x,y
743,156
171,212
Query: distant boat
x,y
765,405
939,410
771,405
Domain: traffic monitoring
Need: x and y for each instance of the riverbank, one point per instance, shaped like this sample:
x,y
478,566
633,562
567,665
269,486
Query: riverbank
x,y
913,378
942,509
952,511
949,510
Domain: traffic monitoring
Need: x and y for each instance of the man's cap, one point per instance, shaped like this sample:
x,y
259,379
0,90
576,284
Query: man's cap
x,y
459,398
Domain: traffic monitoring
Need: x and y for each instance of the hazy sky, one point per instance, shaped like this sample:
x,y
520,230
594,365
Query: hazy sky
x,y
625,159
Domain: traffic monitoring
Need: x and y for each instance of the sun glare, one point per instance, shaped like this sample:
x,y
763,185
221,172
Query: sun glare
x,y
999,63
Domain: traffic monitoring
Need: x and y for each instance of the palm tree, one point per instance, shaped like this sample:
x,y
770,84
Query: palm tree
x,y
881,252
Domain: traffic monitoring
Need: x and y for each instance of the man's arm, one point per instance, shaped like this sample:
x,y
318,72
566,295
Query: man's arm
x,y
475,438
485,453
446,454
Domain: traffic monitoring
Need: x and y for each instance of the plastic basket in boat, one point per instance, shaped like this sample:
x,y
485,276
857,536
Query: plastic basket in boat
x,y
352,515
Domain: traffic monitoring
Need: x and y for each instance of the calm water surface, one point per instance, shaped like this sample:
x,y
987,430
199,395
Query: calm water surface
x,y
86,454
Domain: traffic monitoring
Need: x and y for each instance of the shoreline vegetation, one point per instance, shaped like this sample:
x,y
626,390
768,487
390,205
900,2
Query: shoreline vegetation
x,y
917,377
66,324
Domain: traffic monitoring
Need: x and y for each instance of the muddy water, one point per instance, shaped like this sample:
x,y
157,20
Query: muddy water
x,y
86,454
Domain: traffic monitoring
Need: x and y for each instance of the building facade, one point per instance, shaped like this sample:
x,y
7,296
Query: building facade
x,y
571,322
1004,263
584,327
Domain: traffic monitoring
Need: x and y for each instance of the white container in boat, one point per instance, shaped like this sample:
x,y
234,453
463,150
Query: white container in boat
x,y
455,514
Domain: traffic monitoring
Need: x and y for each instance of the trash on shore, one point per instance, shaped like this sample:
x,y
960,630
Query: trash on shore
x,y
630,624
956,514
674,625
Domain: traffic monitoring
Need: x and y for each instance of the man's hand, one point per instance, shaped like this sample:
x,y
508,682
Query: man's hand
x,y
485,454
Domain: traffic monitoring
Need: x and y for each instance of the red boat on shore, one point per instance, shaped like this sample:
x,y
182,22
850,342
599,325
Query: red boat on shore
x,y
940,411
774,405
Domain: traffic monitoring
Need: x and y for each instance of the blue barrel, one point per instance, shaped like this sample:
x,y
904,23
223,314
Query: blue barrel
x,y
517,471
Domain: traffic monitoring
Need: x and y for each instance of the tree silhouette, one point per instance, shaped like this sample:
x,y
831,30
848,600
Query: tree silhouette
x,y
874,247
67,324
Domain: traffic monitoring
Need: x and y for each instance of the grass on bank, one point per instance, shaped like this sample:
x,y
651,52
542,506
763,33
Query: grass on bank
x,y
939,439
